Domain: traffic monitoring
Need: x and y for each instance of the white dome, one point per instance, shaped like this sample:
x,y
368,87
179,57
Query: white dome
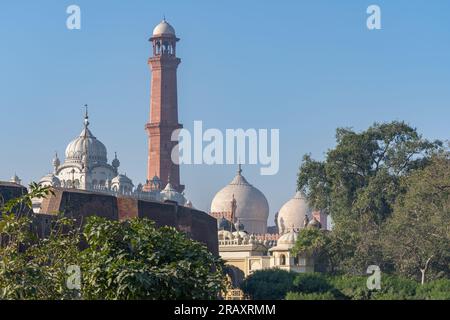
x,y
171,194
50,180
121,179
163,28
252,208
292,213
286,241
96,150
288,238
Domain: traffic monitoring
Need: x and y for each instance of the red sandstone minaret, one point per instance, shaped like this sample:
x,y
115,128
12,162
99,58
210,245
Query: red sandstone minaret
x,y
163,107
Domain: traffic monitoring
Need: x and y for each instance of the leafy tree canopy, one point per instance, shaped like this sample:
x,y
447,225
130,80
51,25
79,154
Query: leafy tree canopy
x,y
118,260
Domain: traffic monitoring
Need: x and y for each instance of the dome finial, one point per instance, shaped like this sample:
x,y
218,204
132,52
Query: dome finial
x,y
86,116
239,169
115,163
56,162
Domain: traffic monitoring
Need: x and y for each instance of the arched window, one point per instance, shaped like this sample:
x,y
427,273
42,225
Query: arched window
x,y
282,260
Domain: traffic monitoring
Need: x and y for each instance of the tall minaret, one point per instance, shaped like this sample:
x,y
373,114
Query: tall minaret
x,y
163,107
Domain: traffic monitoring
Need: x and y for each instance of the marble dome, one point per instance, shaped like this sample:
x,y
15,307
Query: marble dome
x,y
171,194
50,180
163,28
252,208
292,213
288,238
121,178
286,241
96,150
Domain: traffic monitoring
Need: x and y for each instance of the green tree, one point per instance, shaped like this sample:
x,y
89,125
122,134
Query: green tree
x,y
358,184
30,267
310,296
361,174
135,260
270,284
417,237
318,245
119,260
434,290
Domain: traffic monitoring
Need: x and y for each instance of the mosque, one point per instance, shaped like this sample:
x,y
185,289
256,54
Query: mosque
x,y
86,166
246,243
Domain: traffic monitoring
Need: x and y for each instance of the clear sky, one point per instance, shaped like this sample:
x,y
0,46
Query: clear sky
x,y
304,67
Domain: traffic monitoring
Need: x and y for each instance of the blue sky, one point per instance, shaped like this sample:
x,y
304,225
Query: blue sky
x,y
305,67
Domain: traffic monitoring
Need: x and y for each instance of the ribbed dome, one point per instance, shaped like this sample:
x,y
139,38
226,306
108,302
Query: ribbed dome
x,y
252,208
292,213
286,241
163,28
96,150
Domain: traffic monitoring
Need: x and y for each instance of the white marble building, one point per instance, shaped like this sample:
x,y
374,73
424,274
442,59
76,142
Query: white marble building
x,y
86,167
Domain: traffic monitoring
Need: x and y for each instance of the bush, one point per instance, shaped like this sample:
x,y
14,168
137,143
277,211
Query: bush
x,y
395,288
311,283
310,296
271,284
118,259
351,287
435,290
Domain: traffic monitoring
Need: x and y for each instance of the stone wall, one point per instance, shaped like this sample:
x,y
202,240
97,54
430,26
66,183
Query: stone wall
x,y
9,190
81,204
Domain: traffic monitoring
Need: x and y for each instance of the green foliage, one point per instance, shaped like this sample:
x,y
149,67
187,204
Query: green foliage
x,y
33,268
344,287
311,283
25,202
351,287
395,288
310,296
373,184
417,237
134,260
360,175
318,245
118,260
435,290
270,284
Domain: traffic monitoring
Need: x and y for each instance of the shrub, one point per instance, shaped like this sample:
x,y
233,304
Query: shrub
x,y
351,287
311,283
435,290
310,296
271,284
395,288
